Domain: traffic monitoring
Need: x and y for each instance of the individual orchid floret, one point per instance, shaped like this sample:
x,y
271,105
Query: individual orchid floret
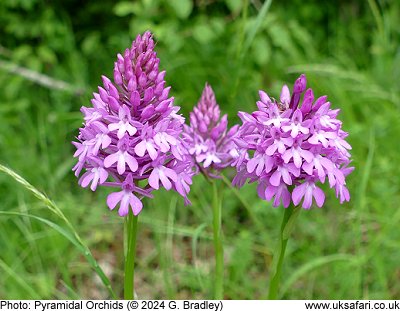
x,y
208,139
288,148
130,138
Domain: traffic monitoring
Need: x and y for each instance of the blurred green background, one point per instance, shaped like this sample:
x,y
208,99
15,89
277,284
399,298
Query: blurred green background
x,y
52,54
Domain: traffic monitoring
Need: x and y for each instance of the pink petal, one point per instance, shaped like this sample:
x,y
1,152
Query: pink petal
x,y
260,166
106,141
308,197
270,192
275,179
154,181
295,131
86,179
295,171
281,147
135,98
114,198
124,207
78,151
308,167
121,130
208,161
326,163
304,130
103,175
288,141
152,151
298,193
113,126
171,139
164,180
285,197
287,128
140,148
95,181
345,144
131,161
307,155
121,163
313,140
264,97
111,159
251,165
319,196
136,204
269,163
271,149
285,95
286,176
277,201
296,158
261,190
122,112
131,130
171,174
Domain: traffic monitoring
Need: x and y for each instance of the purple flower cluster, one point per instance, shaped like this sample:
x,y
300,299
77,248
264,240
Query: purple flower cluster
x,y
207,138
287,148
133,138
131,135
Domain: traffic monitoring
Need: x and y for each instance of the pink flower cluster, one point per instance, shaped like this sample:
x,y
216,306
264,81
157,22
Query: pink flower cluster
x,y
207,137
134,139
288,148
131,135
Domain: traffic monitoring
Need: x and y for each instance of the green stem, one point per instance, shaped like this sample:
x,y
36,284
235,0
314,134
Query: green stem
x,y
218,247
129,281
289,217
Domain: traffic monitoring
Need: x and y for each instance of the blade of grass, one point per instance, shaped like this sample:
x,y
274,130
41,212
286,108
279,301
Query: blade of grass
x,y
68,235
56,210
378,18
19,280
243,47
312,265
361,207
253,30
195,240
331,71
72,294
236,192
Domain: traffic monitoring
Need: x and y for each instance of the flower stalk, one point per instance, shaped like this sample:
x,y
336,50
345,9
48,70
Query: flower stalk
x,y
211,145
289,217
131,225
218,243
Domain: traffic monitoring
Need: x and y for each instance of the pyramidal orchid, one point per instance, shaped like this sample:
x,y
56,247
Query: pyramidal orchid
x,y
211,145
207,137
130,137
290,146
130,140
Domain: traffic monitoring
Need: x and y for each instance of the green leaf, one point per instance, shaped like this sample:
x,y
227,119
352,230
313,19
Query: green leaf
x,y
203,33
182,8
125,8
234,5
291,222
